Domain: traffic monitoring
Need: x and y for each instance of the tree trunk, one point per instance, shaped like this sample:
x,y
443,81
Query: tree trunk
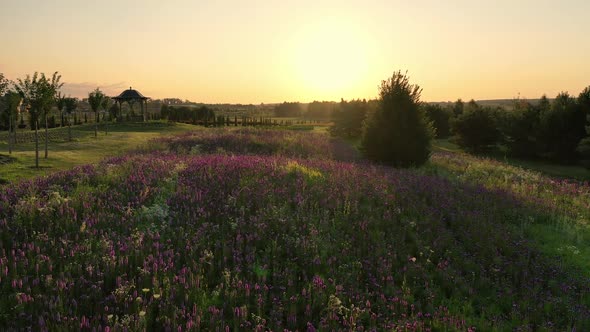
x,y
46,135
69,129
95,124
36,143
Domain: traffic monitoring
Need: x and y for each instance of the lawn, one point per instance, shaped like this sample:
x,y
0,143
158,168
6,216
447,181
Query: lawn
x,y
84,149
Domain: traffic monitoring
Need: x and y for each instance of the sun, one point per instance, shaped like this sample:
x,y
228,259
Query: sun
x,y
330,59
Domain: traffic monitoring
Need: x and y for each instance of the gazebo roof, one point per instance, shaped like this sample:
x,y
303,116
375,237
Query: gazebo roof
x,y
130,95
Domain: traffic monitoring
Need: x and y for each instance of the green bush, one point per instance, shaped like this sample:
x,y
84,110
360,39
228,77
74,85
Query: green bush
x,y
398,133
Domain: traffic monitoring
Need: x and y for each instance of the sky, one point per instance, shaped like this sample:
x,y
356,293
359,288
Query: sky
x,y
273,51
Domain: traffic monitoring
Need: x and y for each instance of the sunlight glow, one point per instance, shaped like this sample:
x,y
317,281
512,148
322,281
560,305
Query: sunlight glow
x,y
330,58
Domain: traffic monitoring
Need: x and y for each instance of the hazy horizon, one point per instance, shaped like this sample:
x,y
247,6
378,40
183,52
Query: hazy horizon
x,y
266,52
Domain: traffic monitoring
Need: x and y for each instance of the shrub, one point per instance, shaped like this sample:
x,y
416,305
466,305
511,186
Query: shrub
x,y
398,133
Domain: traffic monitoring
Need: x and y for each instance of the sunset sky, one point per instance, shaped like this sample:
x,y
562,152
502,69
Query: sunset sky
x,y
273,51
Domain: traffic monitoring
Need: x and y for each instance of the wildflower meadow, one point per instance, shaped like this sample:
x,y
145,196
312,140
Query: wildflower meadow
x,y
265,230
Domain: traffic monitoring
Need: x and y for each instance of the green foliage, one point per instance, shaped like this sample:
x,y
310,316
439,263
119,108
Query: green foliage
x,y
349,117
561,129
519,129
320,110
4,84
398,133
70,105
458,107
187,114
288,109
95,99
476,128
584,145
440,117
39,93
106,104
9,104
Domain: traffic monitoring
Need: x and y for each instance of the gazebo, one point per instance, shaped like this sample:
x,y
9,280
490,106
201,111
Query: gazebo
x,y
130,97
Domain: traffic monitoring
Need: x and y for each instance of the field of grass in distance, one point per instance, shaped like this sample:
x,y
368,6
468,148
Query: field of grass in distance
x,y
84,149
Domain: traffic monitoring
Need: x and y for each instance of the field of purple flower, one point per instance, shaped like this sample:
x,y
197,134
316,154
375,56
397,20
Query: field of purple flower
x,y
261,230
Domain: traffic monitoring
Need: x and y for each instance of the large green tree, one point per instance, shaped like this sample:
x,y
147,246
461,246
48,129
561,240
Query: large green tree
x,y
95,100
38,93
398,133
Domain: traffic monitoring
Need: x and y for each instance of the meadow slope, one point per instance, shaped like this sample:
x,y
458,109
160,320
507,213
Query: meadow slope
x,y
265,230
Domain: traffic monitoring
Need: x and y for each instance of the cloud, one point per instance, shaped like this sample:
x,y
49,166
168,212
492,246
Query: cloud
x,y
82,89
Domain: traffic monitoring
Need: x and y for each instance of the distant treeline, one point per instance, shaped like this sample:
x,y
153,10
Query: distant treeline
x,y
206,116
557,130
317,110
187,114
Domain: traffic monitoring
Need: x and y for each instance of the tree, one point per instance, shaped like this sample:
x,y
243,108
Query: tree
x,y
95,100
584,145
440,118
320,110
55,86
71,104
60,103
12,101
38,92
349,116
4,84
106,105
288,109
398,133
476,129
519,129
458,107
561,129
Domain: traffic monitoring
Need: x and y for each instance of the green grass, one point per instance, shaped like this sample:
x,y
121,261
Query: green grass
x,y
551,169
559,209
84,149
